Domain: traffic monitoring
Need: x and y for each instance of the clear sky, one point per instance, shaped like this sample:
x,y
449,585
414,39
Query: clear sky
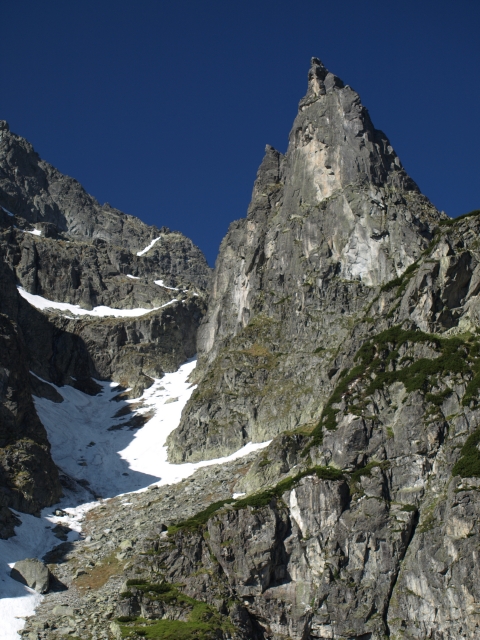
x,y
163,108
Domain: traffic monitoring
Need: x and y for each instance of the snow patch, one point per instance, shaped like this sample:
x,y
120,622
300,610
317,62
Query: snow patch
x,y
35,232
9,213
100,312
160,284
33,539
132,277
143,251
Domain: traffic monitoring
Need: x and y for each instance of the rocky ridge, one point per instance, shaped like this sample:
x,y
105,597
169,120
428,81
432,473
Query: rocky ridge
x,y
58,243
328,223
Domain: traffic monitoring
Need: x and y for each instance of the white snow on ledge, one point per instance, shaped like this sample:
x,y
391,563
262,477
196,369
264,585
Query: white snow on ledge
x,y
143,251
100,312
160,284
9,213
129,275
35,232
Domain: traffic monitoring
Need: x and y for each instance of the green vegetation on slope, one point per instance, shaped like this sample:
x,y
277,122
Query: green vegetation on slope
x,y
402,281
452,221
203,621
256,500
379,365
468,466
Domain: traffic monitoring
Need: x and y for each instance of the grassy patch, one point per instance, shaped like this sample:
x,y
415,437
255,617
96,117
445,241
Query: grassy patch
x,y
438,398
377,364
199,519
453,221
468,466
409,508
427,518
400,283
256,500
264,462
100,573
365,471
203,622
257,351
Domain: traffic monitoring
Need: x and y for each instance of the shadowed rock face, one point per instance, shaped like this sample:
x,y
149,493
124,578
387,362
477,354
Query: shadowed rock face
x,y
28,478
58,242
328,222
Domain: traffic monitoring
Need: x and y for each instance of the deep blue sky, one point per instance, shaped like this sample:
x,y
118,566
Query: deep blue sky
x,y
163,109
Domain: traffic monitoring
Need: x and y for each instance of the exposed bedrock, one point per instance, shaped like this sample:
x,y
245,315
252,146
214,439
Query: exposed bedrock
x,y
38,194
328,223
28,477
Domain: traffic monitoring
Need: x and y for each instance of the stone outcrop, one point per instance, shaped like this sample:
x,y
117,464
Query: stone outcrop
x,y
40,195
28,478
328,222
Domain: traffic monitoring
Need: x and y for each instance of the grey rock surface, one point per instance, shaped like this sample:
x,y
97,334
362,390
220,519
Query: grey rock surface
x,y
28,478
328,222
33,573
57,242
38,194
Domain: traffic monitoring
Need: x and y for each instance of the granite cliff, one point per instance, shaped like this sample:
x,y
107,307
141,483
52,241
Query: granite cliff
x,y
342,325
328,223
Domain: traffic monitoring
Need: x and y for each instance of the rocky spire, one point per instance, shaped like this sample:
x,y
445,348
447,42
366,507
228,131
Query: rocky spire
x,y
333,142
316,75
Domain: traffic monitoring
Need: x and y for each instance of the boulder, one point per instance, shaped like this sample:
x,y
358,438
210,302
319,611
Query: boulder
x,y
33,573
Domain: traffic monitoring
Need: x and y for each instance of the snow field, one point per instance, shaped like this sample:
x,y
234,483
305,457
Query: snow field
x,y
143,251
100,312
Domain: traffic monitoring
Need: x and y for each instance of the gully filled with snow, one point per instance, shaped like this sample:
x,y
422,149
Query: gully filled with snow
x,y
96,444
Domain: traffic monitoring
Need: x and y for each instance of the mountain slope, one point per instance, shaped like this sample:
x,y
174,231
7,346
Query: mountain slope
x,y
88,293
328,223
343,323
38,193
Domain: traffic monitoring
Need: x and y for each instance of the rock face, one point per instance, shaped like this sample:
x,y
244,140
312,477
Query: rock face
x,y
33,573
327,223
28,477
365,524
58,243
38,193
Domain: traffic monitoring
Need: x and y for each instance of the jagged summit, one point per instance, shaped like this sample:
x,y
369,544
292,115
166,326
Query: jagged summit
x,y
336,141
34,190
320,80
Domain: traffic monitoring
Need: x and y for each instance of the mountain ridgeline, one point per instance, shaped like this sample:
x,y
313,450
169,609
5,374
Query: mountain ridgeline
x,y
341,323
58,243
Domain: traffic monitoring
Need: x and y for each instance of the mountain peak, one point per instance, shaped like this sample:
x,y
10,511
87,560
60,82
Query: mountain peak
x,y
320,82
316,75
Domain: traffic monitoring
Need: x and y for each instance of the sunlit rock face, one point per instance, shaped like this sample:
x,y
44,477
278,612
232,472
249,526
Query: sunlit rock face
x,y
329,221
339,201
